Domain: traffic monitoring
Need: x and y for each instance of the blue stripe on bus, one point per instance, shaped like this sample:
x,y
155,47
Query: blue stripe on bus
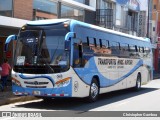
x,y
86,74
33,77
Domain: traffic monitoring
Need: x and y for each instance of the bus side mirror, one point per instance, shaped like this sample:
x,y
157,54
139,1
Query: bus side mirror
x,y
70,35
8,40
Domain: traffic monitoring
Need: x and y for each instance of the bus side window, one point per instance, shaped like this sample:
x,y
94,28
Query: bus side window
x,y
115,48
136,48
92,44
141,49
147,50
98,42
128,48
132,48
124,49
104,47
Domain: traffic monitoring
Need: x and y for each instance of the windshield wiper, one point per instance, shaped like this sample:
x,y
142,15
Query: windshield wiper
x,y
39,52
55,51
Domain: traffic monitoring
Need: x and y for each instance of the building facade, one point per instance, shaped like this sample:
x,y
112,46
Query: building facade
x,y
155,32
121,15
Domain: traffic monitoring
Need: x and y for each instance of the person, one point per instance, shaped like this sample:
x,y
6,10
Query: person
x,y
5,73
1,88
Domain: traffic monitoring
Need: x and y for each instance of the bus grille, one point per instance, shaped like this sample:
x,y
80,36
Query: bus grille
x,y
36,84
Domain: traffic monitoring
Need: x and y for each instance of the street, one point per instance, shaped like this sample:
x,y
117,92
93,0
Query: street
x,y
147,99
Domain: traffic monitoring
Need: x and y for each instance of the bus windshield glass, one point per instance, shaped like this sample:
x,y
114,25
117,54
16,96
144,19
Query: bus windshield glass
x,y
41,51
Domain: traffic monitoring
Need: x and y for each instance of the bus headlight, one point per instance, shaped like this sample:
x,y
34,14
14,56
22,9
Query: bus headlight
x,y
16,82
62,83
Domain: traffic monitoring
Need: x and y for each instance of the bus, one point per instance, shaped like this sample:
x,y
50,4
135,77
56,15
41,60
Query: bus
x,y
63,58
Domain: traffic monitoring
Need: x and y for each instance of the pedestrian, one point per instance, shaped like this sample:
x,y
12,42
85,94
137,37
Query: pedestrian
x,y
1,88
5,73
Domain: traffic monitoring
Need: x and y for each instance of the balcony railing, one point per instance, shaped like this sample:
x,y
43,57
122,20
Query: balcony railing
x,y
104,18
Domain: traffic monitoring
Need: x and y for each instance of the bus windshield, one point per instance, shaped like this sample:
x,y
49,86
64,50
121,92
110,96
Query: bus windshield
x,y
41,52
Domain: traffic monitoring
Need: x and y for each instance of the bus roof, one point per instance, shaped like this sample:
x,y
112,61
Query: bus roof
x,y
75,23
47,22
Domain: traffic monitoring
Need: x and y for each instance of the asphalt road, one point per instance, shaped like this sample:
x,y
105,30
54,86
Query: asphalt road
x,y
147,99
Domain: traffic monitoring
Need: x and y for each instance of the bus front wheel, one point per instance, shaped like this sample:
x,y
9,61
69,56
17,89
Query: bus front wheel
x,y
94,90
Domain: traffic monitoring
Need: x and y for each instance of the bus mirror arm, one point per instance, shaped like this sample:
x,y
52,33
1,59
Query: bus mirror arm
x,y
8,40
70,35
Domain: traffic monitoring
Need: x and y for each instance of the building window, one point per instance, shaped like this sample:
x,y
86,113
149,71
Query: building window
x,y
44,9
154,6
105,14
118,14
73,13
154,29
6,8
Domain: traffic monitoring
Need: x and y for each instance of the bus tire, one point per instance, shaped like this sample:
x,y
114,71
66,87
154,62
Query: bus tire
x,y
138,83
94,90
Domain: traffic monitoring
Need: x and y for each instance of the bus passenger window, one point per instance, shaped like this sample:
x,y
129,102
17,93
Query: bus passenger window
x,y
124,49
132,49
141,49
98,44
136,48
115,48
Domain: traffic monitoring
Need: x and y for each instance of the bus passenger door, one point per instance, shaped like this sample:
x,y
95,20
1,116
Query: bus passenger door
x,y
77,55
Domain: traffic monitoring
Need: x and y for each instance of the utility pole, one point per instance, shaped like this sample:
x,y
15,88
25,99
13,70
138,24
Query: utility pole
x,y
148,19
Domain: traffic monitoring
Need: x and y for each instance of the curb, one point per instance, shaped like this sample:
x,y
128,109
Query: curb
x,y
17,99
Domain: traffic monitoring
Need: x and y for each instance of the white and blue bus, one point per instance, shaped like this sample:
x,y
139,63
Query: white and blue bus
x,y
67,58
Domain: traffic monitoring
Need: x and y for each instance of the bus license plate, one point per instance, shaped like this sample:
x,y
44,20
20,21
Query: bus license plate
x,y
36,93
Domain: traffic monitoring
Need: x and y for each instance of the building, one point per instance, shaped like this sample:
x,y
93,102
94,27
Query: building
x,y
155,32
121,15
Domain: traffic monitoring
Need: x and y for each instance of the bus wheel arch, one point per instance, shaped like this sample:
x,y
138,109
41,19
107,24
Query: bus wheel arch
x,y
97,79
94,89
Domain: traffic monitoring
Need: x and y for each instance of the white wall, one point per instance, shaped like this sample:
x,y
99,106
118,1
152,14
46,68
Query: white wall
x,y
80,5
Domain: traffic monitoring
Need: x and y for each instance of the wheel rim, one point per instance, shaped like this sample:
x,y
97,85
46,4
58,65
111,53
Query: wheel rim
x,y
94,90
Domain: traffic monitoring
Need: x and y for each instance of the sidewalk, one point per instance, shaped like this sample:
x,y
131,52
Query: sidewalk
x,y
7,96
